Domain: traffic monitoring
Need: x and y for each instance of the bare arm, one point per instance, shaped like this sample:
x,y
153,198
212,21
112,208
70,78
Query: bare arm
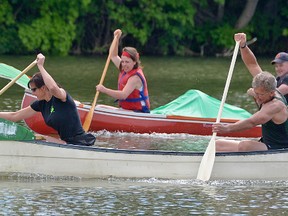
x,y
258,118
134,82
238,126
283,88
267,112
114,52
49,81
247,55
18,115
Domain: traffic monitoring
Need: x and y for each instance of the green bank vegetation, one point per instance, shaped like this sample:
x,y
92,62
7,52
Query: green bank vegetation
x,y
155,27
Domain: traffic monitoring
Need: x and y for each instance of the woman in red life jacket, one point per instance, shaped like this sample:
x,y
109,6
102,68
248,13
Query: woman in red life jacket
x,y
132,93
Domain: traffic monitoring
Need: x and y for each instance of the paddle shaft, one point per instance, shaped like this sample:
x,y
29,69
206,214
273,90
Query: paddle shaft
x,y
18,76
208,158
89,116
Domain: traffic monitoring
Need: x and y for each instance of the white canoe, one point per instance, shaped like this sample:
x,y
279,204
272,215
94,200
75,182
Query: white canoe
x,y
38,157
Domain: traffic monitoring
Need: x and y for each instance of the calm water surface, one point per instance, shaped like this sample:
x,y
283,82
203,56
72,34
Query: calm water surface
x,y
167,78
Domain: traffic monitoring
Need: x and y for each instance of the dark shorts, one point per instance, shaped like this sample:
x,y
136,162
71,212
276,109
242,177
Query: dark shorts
x,y
85,139
274,146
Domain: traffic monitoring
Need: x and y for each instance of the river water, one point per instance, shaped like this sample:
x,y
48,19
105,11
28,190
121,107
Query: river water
x,y
47,196
169,77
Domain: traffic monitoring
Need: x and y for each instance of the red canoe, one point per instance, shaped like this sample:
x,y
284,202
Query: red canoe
x,y
113,119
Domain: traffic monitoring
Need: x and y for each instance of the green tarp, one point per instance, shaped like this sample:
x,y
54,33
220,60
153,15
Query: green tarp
x,y
9,72
12,131
195,103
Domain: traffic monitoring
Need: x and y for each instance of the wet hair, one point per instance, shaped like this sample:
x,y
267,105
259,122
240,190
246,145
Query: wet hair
x,y
265,80
37,79
134,55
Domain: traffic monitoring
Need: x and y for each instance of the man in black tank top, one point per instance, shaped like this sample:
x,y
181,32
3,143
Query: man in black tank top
x,y
272,116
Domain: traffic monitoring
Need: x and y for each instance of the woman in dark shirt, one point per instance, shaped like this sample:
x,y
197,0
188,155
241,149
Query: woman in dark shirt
x,y
56,105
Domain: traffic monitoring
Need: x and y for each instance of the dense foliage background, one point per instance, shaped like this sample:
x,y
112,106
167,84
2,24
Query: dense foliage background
x,y
154,27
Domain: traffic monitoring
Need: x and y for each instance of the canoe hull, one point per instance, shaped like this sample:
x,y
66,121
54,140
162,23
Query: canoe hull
x,y
113,119
43,158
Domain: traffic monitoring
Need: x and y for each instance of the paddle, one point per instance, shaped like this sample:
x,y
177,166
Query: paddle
x,y
89,116
9,72
208,158
18,76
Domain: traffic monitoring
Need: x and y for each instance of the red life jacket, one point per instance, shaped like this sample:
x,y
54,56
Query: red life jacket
x,y
137,100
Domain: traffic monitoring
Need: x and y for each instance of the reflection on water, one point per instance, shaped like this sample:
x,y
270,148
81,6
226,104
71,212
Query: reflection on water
x,y
141,197
10,105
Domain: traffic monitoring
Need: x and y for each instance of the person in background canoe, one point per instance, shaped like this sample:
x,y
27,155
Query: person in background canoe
x,y
272,116
57,107
132,93
280,62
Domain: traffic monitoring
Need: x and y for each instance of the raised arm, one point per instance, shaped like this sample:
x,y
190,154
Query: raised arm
x,y
247,55
49,81
114,50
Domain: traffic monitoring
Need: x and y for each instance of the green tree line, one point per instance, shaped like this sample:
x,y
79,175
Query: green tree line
x,y
154,27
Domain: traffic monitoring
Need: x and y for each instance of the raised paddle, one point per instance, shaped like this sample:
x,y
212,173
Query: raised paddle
x,y
89,116
18,76
208,158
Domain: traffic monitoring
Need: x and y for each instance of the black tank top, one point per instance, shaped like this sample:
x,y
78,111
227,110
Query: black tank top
x,y
275,136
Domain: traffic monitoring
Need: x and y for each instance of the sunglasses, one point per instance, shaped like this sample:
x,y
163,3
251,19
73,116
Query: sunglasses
x,y
261,95
33,89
